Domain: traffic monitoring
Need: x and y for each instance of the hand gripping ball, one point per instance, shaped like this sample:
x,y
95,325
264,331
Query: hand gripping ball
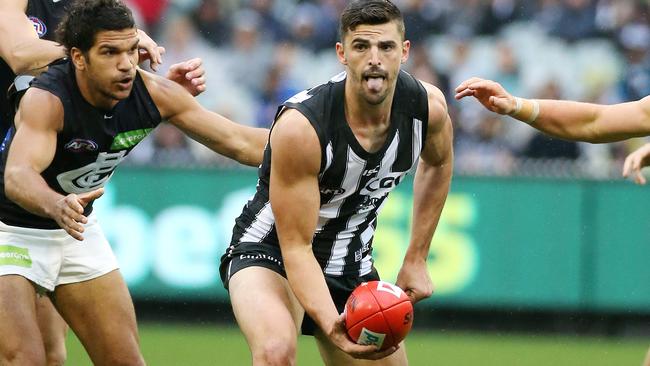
x,y
378,313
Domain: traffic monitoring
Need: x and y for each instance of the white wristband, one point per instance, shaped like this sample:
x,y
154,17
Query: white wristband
x,y
518,104
533,117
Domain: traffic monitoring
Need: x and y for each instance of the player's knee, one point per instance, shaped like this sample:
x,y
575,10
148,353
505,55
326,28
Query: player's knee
x,y
276,353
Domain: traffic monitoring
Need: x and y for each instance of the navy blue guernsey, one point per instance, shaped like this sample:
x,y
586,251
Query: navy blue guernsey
x,y
353,182
45,15
91,144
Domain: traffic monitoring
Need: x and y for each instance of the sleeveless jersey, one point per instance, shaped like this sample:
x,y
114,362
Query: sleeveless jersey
x,y
91,144
45,15
353,182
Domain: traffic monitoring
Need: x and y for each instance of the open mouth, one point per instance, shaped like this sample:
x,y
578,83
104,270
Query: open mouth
x,y
374,81
126,82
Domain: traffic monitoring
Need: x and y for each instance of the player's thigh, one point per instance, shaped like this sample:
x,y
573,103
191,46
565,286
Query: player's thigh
x,y
333,356
53,330
18,326
101,314
265,306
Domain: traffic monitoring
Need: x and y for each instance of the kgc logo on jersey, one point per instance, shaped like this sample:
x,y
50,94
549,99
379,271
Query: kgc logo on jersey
x,y
39,26
382,185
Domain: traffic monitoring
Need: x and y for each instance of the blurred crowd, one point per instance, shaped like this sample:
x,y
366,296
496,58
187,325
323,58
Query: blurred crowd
x,y
257,53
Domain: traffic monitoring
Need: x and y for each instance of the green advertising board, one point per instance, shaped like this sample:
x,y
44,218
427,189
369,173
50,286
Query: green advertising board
x,y
513,243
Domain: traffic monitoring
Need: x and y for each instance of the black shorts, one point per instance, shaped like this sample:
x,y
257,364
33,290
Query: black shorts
x,y
269,256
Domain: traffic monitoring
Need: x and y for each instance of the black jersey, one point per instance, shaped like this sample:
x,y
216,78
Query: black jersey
x,y
353,182
91,144
45,15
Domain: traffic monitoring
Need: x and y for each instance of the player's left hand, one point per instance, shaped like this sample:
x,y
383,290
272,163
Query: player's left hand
x,y
190,74
148,49
636,161
414,279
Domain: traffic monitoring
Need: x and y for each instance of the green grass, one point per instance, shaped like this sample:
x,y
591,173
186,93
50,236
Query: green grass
x,y
213,345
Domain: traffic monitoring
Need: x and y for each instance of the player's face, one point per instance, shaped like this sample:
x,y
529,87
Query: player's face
x,y
110,65
372,55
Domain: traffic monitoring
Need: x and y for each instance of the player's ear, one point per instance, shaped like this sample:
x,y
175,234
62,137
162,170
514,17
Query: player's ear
x,y
340,53
406,47
78,58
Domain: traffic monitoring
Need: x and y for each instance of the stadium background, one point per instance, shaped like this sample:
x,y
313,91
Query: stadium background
x,y
541,255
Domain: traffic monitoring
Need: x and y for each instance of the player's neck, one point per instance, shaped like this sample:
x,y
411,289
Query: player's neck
x,y
92,95
369,123
359,112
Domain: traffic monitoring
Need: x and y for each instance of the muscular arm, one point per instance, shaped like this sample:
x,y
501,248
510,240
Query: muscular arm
x,y
38,120
32,150
565,119
242,143
295,200
430,189
21,48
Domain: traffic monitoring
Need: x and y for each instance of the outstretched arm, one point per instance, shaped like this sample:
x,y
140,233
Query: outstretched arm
x,y
295,200
430,189
564,119
242,143
20,47
39,118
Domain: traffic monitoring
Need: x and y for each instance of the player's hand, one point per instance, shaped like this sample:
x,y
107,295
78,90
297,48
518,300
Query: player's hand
x,y
190,74
414,279
489,93
68,212
148,49
339,336
635,162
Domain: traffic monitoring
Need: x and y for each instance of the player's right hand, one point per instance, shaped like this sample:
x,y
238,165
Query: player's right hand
x,y
68,212
339,336
636,161
489,93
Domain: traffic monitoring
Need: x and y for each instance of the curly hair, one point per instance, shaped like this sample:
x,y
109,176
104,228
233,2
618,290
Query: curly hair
x,y
85,18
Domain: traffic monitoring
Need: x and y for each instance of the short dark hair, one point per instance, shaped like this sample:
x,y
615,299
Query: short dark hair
x,y
85,18
370,12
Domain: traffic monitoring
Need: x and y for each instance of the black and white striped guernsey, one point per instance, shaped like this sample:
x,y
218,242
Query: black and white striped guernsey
x,y
353,183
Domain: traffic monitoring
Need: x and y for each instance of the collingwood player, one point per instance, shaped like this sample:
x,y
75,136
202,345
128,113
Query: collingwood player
x,y
305,240
75,124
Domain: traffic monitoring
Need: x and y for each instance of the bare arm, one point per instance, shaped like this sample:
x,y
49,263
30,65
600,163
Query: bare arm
x,y
565,119
20,47
39,118
295,200
430,189
242,143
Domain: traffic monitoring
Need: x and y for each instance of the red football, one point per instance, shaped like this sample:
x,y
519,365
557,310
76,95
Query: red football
x,y
379,313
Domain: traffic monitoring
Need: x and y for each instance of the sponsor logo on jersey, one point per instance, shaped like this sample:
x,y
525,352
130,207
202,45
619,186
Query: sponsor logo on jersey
x,y
80,145
332,190
39,26
382,184
369,172
129,139
15,256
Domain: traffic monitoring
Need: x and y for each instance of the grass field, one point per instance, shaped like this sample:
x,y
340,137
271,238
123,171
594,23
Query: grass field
x,y
212,345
